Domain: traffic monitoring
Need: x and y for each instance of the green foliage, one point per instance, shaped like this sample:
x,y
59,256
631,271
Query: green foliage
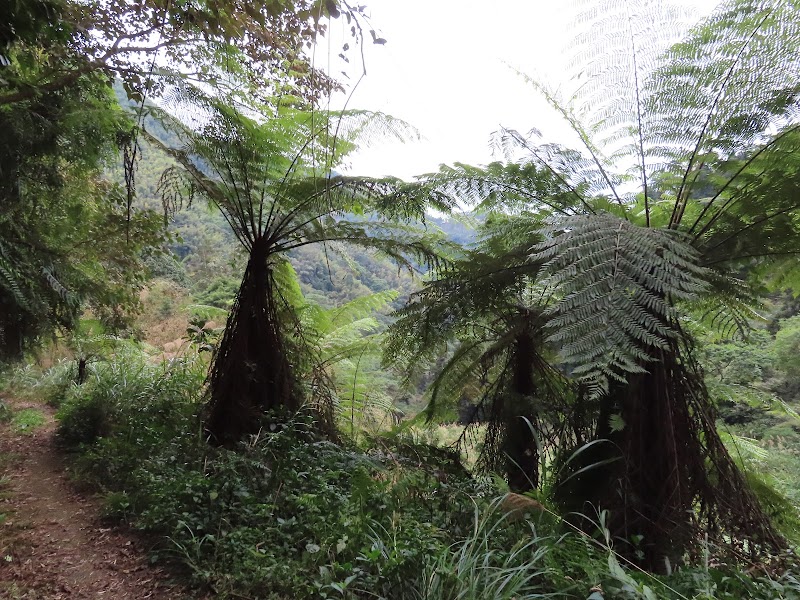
x,y
475,568
346,342
28,420
220,292
68,239
787,347
489,305
45,58
50,386
617,285
272,180
292,515
130,394
291,512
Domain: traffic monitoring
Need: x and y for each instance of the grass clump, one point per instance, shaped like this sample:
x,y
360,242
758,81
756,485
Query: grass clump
x,y
28,420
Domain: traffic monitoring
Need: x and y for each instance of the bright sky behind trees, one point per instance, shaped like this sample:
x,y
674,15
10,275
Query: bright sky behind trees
x,y
448,69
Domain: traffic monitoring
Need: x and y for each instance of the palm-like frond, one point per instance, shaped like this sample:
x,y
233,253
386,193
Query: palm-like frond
x,y
507,187
462,299
345,341
692,148
617,285
728,307
698,134
684,119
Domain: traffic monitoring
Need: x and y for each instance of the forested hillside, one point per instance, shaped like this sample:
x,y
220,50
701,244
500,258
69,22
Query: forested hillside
x,y
231,368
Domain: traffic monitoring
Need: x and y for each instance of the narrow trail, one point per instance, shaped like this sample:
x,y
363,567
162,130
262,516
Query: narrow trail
x,y
53,545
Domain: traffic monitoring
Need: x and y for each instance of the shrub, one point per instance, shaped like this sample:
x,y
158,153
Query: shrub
x,y
139,402
291,515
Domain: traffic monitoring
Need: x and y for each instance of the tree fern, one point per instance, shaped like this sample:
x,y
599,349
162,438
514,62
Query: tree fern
x,y
685,172
696,138
272,178
482,319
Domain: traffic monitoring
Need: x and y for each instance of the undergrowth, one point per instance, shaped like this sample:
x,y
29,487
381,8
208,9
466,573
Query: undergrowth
x,y
291,515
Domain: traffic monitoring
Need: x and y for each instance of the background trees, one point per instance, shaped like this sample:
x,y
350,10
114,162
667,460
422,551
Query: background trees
x,y
63,126
263,42
68,240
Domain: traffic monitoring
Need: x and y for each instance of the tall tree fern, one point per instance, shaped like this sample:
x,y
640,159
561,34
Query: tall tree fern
x,y
691,145
486,313
685,171
272,178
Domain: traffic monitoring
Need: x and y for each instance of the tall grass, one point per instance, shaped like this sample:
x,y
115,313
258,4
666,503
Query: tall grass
x,y
477,568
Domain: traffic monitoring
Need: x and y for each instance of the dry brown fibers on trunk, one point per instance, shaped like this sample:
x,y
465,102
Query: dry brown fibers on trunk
x,y
250,373
677,479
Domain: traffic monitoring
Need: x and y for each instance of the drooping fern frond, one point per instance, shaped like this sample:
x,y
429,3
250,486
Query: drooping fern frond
x,y
11,280
617,285
460,300
729,307
511,187
344,341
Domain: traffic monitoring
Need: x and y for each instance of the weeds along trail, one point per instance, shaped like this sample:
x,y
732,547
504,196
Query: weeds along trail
x,y
52,543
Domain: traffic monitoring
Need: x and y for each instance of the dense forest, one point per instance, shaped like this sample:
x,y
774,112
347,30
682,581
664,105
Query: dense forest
x,y
568,373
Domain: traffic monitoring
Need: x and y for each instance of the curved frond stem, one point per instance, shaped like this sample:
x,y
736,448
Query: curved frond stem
x,y
285,227
201,180
463,350
238,202
512,188
756,255
279,228
735,197
679,208
295,163
572,189
733,177
749,226
578,128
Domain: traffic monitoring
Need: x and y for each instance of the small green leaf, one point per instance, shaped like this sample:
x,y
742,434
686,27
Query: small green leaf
x,y
312,548
616,423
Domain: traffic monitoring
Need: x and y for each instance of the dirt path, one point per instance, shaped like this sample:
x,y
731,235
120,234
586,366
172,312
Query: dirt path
x,y
52,543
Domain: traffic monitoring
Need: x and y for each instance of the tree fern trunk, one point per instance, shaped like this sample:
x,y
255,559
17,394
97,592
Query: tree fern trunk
x,y
676,472
250,373
521,449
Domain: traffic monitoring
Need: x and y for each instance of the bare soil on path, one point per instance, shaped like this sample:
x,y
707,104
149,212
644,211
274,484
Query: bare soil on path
x,y
53,544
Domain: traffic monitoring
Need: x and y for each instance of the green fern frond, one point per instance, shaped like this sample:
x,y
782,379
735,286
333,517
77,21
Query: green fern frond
x,y
11,280
616,285
730,306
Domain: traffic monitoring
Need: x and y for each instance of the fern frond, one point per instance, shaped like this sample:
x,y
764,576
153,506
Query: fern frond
x,y
616,285
729,307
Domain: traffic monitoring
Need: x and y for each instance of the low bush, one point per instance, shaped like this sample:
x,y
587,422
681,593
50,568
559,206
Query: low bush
x,y
291,515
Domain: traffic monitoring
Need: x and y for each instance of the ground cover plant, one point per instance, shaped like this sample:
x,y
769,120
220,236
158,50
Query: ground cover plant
x,y
289,514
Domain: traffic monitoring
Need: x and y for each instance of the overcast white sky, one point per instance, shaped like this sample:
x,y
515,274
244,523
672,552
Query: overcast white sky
x,y
444,70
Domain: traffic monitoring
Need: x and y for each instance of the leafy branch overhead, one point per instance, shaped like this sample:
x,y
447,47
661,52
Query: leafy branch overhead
x,y
152,43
